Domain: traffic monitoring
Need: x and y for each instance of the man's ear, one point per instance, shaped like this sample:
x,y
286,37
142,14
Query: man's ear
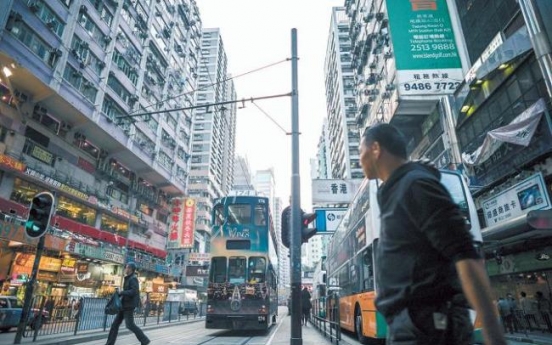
x,y
376,149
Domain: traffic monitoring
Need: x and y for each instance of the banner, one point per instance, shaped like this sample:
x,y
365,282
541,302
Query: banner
x,y
519,132
182,227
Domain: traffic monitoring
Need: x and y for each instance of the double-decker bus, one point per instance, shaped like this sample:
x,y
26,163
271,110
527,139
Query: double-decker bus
x,y
351,259
243,289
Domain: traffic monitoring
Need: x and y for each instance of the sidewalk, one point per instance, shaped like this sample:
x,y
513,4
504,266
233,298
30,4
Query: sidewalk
x,y
535,337
92,335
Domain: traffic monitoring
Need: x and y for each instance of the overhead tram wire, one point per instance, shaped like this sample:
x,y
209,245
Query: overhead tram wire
x,y
213,84
271,118
243,100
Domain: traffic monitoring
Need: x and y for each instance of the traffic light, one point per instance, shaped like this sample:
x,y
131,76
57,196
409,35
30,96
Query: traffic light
x,y
286,220
306,232
40,212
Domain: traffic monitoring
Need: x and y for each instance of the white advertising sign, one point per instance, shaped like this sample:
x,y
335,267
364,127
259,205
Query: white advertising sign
x,y
429,82
334,191
528,195
328,219
199,257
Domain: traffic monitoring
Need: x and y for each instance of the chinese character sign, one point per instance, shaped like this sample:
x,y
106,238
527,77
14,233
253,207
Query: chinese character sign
x,y
188,223
175,223
428,61
517,200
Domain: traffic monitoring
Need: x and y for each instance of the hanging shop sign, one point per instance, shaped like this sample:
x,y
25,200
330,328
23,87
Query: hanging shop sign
x,y
326,191
182,226
428,62
206,257
528,195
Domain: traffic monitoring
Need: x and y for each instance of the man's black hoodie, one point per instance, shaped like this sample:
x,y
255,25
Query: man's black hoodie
x,y
422,235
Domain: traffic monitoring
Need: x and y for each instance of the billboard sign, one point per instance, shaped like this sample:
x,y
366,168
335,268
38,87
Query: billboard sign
x,y
328,219
334,191
426,53
181,230
528,195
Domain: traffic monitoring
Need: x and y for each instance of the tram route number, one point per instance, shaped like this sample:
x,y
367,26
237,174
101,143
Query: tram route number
x,y
439,86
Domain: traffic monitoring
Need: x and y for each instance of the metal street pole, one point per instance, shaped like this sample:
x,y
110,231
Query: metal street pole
x,y
295,229
29,292
539,39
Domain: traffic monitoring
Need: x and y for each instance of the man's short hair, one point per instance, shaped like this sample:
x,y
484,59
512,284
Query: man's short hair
x,y
388,136
132,266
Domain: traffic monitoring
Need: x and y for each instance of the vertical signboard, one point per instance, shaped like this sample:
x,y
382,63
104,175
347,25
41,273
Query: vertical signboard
x,y
187,240
425,51
176,223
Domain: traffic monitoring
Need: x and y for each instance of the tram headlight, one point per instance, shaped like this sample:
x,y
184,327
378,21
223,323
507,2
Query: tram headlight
x,y
262,309
210,308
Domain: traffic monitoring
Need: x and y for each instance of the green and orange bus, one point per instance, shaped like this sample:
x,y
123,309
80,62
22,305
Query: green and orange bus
x,y
351,264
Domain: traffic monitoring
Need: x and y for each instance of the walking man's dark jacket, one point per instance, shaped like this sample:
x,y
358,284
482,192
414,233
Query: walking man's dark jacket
x,y
131,292
423,234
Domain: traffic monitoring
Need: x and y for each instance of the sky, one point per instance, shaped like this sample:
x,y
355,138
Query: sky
x,y
257,33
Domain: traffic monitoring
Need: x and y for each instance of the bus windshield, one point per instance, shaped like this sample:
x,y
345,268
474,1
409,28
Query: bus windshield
x,y
453,183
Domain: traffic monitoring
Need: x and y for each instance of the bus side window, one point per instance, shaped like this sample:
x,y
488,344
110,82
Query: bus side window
x,y
367,271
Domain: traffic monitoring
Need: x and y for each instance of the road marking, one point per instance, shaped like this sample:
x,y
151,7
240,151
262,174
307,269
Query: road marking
x,y
274,334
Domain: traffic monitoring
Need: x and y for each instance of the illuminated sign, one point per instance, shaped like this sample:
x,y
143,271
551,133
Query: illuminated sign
x,y
182,227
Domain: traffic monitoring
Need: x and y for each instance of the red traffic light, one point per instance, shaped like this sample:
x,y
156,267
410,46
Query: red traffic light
x,y
308,218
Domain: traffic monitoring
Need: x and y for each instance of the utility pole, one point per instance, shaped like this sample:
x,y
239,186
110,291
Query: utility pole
x,y
539,39
295,229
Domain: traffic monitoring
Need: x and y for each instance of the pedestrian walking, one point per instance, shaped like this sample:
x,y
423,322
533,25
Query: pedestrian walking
x,y
544,308
428,266
529,310
506,314
306,305
130,300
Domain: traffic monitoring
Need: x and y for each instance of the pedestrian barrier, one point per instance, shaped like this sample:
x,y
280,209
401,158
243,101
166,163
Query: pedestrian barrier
x,y
59,315
325,317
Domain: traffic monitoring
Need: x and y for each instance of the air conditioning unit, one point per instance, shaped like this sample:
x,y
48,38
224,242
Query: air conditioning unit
x,y
372,99
21,97
33,7
390,87
65,126
386,94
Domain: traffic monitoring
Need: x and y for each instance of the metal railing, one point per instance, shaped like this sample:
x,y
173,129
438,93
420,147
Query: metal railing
x,y
325,317
59,315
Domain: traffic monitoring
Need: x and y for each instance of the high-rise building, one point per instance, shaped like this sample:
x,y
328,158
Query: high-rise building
x,y
87,103
213,132
323,159
340,100
508,90
242,174
406,56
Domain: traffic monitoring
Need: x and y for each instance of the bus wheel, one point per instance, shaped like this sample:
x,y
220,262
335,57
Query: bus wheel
x,y
358,328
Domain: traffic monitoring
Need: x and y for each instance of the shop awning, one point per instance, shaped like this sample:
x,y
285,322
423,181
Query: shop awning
x,y
537,223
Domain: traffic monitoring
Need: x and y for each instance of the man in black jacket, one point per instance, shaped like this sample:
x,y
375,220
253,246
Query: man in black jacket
x,y
130,300
427,263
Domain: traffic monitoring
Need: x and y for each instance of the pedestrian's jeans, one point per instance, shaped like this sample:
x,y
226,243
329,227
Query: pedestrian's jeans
x,y
416,326
128,315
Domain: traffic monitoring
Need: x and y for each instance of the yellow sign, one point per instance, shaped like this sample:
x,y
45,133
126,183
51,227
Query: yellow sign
x,y
41,154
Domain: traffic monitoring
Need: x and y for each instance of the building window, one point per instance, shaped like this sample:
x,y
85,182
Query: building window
x,y
119,89
77,80
31,40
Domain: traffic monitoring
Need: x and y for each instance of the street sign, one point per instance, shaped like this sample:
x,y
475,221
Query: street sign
x,y
328,219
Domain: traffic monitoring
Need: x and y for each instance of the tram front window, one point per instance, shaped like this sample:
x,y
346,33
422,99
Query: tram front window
x,y
236,270
256,270
218,270
239,214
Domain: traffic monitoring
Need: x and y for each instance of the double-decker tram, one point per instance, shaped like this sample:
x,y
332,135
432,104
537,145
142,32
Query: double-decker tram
x,y
242,290
351,260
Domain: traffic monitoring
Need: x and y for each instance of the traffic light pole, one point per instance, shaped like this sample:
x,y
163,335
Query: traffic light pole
x,y
29,292
295,228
